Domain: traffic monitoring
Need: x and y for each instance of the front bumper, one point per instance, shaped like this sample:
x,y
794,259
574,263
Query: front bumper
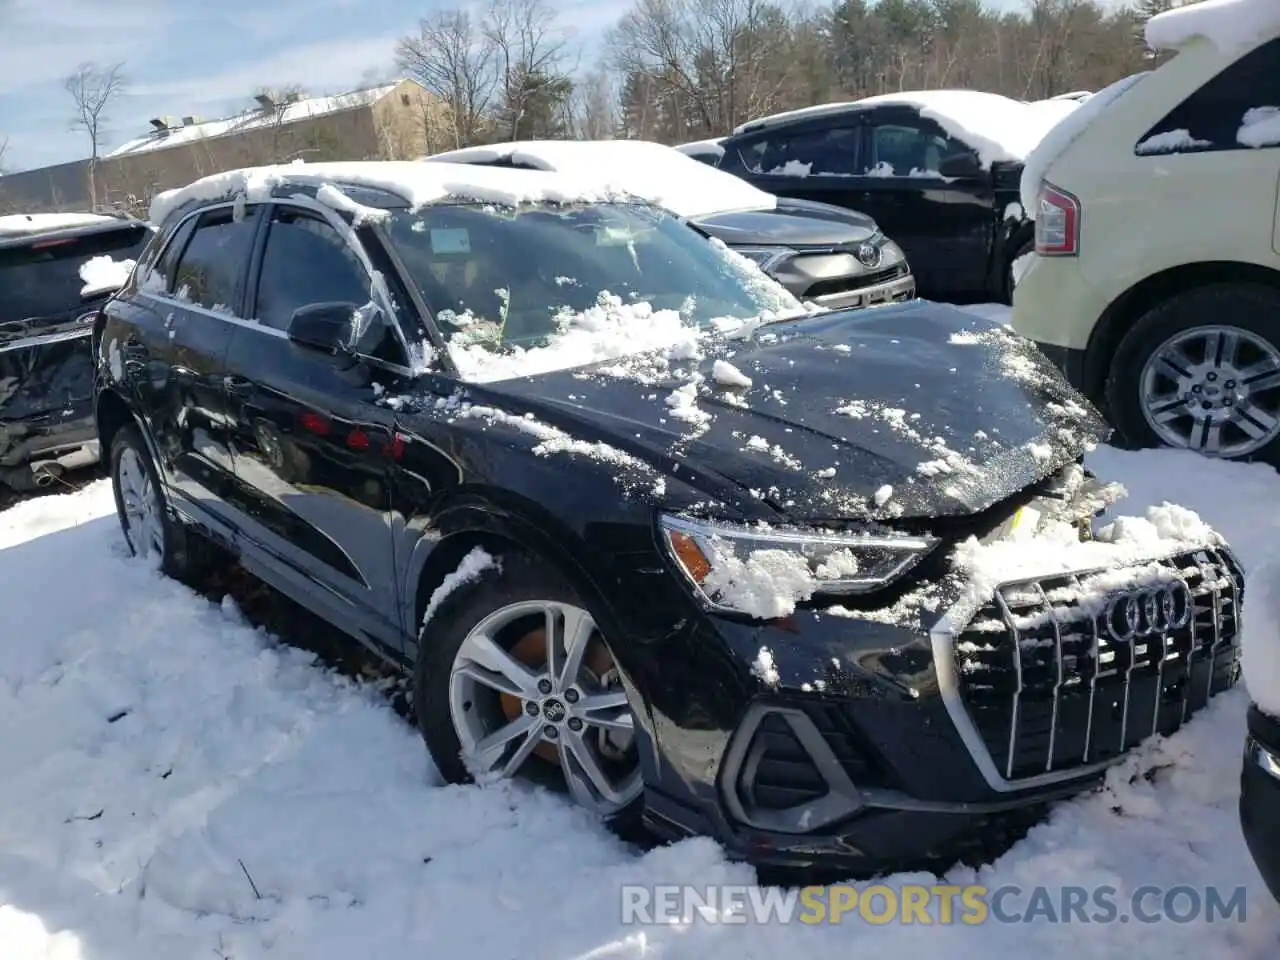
x,y
1260,796
911,744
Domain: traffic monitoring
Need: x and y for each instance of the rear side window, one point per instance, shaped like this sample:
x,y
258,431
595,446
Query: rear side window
x,y
42,278
811,153
211,268
904,149
1239,109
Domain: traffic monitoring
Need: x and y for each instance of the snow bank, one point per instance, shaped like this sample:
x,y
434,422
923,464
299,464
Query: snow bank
x,y
104,275
418,183
1260,656
17,224
659,174
1064,133
1230,25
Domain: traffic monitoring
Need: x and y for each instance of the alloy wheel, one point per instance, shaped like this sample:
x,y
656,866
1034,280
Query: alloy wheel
x,y
1213,389
144,526
534,683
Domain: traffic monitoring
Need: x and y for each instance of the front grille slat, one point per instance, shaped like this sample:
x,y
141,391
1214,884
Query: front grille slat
x,y
1052,680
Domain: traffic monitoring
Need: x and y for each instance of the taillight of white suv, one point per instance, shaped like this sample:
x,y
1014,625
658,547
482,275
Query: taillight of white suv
x,y
1057,223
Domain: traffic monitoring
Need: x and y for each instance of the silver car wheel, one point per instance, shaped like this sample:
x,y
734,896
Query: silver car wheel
x,y
1213,389
143,523
534,682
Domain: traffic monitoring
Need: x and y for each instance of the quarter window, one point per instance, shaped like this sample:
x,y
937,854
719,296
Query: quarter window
x,y
211,268
1239,109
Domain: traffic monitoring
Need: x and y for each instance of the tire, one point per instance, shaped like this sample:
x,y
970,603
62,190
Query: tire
x,y
178,552
454,709
1023,249
1179,379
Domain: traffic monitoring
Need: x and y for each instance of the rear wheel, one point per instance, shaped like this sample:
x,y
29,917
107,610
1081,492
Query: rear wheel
x,y
1201,371
514,679
150,532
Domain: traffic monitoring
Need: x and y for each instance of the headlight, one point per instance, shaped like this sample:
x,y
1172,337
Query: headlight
x,y
891,253
764,257
764,572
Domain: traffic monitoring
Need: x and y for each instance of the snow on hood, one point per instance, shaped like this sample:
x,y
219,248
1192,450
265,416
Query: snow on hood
x,y
998,128
1064,133
104,275
21,223
661,175
419,183
1230,25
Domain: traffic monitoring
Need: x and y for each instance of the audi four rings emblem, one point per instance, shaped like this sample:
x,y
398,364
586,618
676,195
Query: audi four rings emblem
x,y
1149,612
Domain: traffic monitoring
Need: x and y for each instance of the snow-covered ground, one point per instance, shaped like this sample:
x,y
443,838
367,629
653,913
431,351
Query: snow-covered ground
x,y
176,784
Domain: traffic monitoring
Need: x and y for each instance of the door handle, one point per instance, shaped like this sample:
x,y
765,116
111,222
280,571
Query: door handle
x,y
237,386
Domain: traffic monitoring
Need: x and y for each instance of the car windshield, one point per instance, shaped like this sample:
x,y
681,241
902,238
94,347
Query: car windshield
x,y
41,279
509,280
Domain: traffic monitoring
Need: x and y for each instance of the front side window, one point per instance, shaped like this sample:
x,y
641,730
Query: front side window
x,y
210,269
909,150
1239,109
829,152
306,261
570,284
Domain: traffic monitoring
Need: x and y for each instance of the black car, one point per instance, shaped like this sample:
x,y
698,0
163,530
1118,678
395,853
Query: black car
x,y
831,256
960,222
46,369
690,560
1260,796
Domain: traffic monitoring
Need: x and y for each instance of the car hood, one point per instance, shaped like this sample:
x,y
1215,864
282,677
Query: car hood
x,y
911,411
799,223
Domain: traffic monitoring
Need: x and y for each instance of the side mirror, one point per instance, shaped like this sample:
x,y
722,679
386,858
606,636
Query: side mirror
x,y
960,166
323,326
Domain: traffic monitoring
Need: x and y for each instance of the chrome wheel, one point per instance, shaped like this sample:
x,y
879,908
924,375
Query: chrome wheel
x,y
1213,389
534,683
143,524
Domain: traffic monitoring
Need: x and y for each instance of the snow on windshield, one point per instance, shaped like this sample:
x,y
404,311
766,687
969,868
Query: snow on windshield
x,y
103,274
663,175
1230,25
1260,128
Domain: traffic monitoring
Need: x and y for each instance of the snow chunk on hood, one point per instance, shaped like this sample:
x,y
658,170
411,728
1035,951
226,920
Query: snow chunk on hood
x,y
104,275
418,183
662,175
1261,128
1230,25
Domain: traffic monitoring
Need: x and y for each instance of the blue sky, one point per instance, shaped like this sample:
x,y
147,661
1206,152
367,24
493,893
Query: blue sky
x,y
185,57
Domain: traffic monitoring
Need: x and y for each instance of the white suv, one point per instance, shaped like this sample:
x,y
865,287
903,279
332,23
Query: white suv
x,y
1156,280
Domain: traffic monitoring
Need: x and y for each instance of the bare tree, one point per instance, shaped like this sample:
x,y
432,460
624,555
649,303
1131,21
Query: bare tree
x,y
594,107
93,88
4,148
454,59
532,53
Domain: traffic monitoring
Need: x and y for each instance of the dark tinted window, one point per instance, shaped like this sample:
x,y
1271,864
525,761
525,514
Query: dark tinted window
x,y
306,261
42,278
1214,116
906,149
164,268
211,267
831,151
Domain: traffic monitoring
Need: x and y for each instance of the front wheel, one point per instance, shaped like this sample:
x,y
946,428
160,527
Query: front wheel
x,y
514,678
1201,371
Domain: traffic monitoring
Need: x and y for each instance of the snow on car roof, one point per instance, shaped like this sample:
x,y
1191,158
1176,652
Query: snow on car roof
x,y
998,128
1227,24
662,175
714,145
418,183
23,223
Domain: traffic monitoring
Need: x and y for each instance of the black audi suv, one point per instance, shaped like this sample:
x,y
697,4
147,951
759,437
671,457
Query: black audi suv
x,y
637,524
